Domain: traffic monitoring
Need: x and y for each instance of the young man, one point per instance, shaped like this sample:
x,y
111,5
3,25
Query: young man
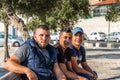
x,y
36,59
64,54
79,56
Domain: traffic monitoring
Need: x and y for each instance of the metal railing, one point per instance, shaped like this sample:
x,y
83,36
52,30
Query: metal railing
x,y
11,76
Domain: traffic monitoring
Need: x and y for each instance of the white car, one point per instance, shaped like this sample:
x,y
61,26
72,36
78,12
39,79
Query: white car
x,y
97,36
14,41
55,36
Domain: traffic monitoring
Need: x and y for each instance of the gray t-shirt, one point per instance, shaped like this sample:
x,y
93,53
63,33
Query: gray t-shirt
x,y
22,52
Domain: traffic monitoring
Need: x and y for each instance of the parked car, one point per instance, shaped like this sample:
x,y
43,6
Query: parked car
x,y
31,34
15,37
97,36
113,36
85,36
55,36
14,41
12,36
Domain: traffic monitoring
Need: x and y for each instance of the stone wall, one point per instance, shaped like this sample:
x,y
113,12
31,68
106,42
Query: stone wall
x,y
97,24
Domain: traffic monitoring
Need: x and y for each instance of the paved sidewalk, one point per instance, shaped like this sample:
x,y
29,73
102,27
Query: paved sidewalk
x,y
11,51
106,62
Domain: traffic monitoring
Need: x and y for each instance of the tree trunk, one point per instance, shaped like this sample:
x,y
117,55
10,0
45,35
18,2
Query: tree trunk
x,y
16,20
6,56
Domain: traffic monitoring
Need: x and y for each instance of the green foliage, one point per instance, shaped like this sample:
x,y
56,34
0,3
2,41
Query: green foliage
x,y
67,12
114,13
3,15
33,23
32,7
57,13
1,11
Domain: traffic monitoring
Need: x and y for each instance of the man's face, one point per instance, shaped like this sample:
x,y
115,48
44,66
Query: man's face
x,y
42,37
65,39
77,38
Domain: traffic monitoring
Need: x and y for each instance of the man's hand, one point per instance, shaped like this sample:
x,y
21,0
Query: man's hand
x,y
31,75
94,76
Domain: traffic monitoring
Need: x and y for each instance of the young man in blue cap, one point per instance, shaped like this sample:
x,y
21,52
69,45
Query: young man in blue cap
x,y
79,56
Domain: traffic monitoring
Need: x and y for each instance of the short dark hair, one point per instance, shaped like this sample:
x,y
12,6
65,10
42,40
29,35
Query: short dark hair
x,y
66,29
45,27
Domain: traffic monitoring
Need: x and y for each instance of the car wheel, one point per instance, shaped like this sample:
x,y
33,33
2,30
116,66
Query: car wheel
x,y
117,40
96,39
16,44
106,40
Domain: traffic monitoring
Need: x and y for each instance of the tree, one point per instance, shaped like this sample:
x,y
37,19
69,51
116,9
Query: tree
x,y
113,13
67,12
33,23
26,7
5,20
57,13
10,9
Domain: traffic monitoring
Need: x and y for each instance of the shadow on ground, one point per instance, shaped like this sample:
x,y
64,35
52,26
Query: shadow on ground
x,y
111,56
113,78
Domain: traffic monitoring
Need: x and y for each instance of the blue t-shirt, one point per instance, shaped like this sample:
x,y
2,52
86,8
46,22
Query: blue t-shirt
x,y
79,54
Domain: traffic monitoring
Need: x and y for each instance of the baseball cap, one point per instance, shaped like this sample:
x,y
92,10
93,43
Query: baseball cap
x,y
77,29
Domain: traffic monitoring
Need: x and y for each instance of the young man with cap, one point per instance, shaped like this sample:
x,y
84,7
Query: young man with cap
x,y
79,55
64,54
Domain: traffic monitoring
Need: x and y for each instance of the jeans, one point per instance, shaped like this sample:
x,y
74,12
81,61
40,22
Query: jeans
x,y
86,75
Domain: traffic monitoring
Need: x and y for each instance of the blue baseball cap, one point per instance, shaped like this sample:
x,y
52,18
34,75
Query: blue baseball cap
x,y
77,29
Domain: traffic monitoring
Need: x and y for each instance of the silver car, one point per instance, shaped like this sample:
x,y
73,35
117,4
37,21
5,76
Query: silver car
x,y
113,36
14,41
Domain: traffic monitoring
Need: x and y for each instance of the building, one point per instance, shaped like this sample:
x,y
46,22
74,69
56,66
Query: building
x,y
101,8
98,22
11,29
91,2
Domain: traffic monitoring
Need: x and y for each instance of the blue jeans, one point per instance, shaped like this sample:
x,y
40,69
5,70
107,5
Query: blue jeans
x,y
86,75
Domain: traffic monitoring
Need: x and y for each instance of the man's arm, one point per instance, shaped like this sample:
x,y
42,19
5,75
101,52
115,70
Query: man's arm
x,y
70,66
87,68
78,69
59,74
67,73
13,65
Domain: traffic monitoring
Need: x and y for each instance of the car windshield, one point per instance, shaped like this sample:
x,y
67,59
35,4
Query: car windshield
x,y
101,33
9,36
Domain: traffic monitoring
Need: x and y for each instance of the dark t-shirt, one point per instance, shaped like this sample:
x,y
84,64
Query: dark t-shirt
x,y
79,54
63,57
